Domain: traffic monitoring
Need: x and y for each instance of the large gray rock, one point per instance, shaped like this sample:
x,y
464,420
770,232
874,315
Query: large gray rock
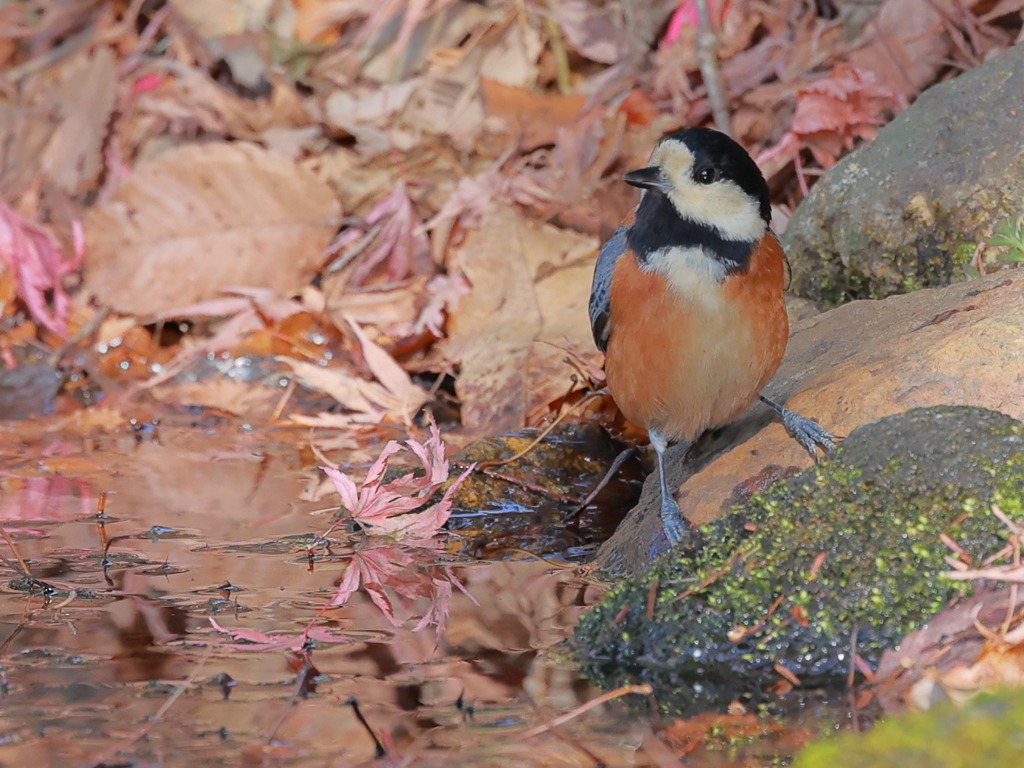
x,y
907,210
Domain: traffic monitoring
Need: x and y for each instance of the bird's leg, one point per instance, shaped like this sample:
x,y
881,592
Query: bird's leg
x,y
677,528
809,433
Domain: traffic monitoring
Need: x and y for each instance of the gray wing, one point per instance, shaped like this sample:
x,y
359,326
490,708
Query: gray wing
x,y
600,291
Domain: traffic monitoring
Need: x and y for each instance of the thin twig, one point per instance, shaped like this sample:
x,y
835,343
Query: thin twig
x,y
547,431
560,56
643,689
285,397
616,465
528,486
707,59
301,679
851,675
14,551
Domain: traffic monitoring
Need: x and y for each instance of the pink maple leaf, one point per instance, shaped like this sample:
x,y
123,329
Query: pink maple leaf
x,y
408,572
390,507
253,640
39,267
395,239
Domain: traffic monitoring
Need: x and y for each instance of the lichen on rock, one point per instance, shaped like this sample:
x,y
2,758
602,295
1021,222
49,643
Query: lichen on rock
x,y
846,554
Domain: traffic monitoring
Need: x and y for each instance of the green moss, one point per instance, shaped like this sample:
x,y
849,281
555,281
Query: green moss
x,y
909,284
988,731
963,254
847,551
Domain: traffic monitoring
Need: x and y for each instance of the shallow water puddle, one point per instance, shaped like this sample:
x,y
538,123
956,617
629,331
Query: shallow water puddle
x,y
109,654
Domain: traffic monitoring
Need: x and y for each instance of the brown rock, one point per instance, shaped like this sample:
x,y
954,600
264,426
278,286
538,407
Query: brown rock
x,y
960,345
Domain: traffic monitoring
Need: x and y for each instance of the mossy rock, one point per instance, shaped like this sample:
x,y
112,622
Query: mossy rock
x,y
847,550
988,731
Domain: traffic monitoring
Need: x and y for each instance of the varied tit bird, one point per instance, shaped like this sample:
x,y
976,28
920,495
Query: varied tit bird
x,y
687,300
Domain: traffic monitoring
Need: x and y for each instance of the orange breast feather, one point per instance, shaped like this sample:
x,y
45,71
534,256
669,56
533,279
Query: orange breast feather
x,y
683,364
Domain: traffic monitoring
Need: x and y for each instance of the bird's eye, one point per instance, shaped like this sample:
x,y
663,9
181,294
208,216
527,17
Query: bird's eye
x,y
707,176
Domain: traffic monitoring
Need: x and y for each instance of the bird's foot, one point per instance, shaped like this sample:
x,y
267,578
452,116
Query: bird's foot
x,y
809,433
678,530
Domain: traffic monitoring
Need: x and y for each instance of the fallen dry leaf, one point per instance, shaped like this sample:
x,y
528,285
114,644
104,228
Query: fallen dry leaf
x,y
532,117
831,113
79,96
391,312
599,32
198,219
250,400
905,44
365,401
528,305
396,381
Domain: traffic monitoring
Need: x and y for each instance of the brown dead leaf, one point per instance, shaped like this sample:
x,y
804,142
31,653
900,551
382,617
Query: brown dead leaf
x,y
598,32
227,17
998,665
391,311
831,113
363,399
198,219
510,56
955,653
904,44
358,184
389,373
247,399
187,97
358,110
528,305
78,98
533,117
392,398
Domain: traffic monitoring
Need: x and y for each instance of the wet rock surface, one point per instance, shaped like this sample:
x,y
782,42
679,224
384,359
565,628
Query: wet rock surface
x,y
908,209
533,503
963,344
844,554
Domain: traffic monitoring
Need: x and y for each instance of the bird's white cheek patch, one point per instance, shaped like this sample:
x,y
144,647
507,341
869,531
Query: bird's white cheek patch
x,y
721,205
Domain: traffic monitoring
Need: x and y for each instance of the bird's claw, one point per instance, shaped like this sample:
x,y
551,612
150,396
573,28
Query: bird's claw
x,y
678,530
809,433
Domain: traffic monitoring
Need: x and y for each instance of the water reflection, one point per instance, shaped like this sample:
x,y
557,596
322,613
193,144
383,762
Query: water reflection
x,y
114,614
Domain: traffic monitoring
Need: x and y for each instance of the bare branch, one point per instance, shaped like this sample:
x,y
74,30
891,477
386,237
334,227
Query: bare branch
x,y
707,58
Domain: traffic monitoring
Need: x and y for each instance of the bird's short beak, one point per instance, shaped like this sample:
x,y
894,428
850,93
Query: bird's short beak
x,y
648,178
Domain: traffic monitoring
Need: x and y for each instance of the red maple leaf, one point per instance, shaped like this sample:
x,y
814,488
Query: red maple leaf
x,y
831,113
